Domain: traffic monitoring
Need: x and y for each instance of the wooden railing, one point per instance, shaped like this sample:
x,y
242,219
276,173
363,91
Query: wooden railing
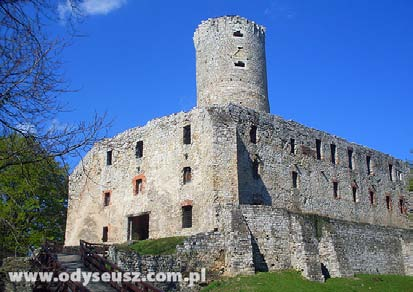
x,y
49,263
94,258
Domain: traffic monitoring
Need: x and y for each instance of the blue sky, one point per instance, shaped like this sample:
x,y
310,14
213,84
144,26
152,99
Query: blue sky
x,y
342,66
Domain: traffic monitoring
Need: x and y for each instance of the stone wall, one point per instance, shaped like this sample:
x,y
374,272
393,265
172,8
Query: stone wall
x,y
222,159
305,241
276,160
205,250
161,169
367,248
265,238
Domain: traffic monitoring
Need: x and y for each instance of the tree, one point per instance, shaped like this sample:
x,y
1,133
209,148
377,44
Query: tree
x,y
32,199
33,187
30,84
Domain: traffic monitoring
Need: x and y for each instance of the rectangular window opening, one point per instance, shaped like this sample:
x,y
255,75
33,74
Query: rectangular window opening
x,y
105,232
388,202
186,216
371,194
318,148
292,146
333,148
399,175
402,206
106,199
391,172
335,189
253,134
139,149
187,134
354,189
138,186
368,162
109,157
350,158
238,34
295,179
255,169
239,64
187,175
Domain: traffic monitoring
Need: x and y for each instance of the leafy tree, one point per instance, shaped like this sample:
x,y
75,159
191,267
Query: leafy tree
x,y
32,197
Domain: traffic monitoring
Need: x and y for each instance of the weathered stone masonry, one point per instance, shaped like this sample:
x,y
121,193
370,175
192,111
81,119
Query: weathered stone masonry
x,y
277,194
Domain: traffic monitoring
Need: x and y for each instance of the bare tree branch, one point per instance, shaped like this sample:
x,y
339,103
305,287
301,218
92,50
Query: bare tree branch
x,y
30,83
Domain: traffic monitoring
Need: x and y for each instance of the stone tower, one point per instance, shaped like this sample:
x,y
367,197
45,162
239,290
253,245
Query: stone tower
x,y
230,63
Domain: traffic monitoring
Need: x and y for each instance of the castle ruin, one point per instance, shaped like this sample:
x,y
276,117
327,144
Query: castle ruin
x,y
280,194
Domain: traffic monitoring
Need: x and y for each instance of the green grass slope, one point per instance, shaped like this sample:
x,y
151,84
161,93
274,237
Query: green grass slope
x,y
292,281
160,246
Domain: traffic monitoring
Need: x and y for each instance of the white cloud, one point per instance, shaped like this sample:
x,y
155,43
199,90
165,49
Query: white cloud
x,y
56,125
27,128
93,7
89,7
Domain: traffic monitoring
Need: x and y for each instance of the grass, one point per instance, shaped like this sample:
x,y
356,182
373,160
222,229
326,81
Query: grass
x,y
162,246
292,281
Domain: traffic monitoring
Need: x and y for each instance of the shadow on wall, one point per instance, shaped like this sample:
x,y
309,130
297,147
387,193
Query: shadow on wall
x,y
251,188
252,191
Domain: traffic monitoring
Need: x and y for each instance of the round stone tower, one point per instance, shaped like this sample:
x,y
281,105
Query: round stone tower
x,y
230,63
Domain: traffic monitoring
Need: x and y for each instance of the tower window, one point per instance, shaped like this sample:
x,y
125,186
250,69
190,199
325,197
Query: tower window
x,y
391,172
350,158
333,148
253,134
295,179
368,162
139,149
187,134
335,189
238,34
292,146
187,175
239,64
109,157
186,216
106,199
318,148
